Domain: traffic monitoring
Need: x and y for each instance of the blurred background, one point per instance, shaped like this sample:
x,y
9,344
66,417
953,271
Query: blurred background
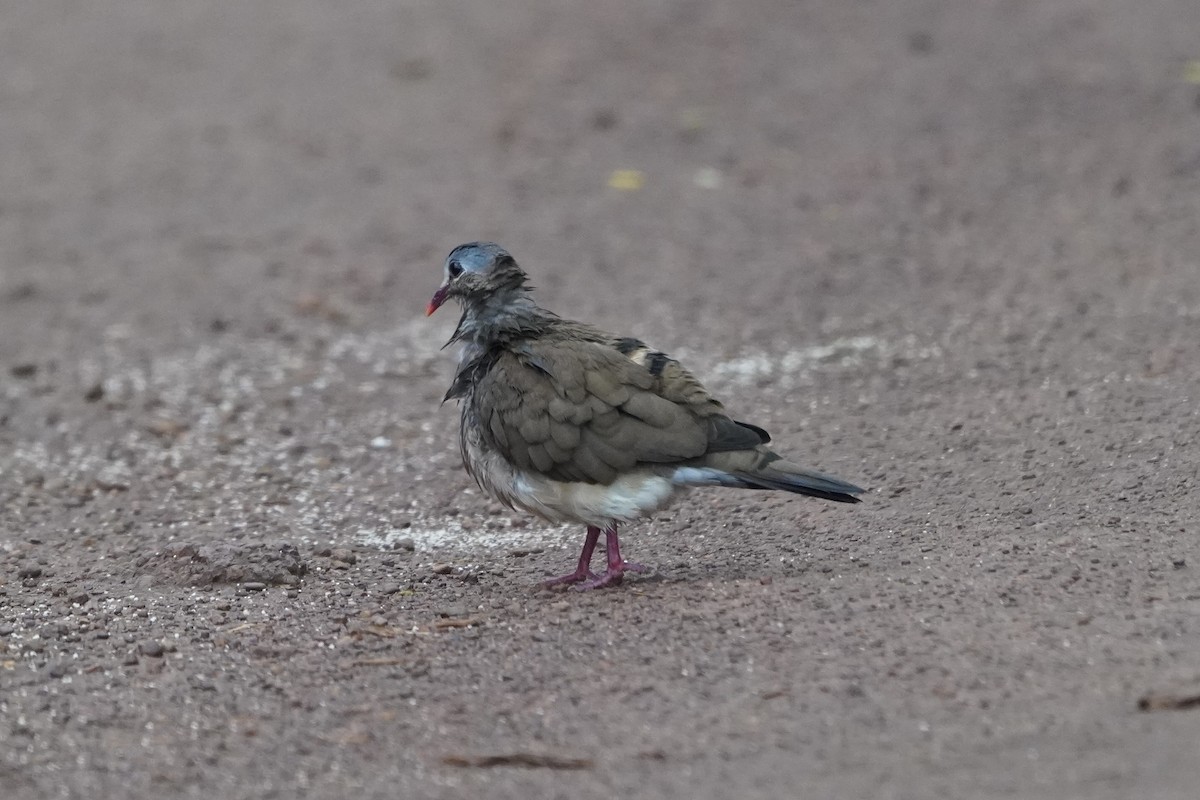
x,y
946,250
167,166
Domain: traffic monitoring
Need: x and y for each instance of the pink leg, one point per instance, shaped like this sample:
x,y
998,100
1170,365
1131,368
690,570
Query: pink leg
x,y
583,571
617,566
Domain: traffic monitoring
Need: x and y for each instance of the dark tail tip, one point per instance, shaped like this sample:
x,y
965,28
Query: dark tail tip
x,y
825,487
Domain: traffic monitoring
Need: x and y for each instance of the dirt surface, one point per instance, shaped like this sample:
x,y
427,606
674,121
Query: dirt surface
x,y
950,251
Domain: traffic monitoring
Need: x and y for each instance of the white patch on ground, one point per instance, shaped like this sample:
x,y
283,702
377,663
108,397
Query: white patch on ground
x,y
216,394
448,534
794,366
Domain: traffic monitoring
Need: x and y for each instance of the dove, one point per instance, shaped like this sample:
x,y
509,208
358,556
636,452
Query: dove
x,y
575,425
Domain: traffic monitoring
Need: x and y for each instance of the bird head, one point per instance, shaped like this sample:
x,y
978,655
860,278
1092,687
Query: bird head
x,y
476,271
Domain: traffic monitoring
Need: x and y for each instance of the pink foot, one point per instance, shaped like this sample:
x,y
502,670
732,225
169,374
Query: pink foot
x,y
573,577
583,579
611,576
583,572
617,566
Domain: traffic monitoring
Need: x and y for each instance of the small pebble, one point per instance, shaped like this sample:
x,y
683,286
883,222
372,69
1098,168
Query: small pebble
x,y
404,544
387,588
253,586
202,683
151,648
343,554
29,571
442,569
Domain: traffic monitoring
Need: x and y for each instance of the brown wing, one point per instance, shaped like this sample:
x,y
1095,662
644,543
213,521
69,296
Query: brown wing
x,y
675,383
583,411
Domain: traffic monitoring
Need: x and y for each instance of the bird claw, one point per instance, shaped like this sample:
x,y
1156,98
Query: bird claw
x,y
610,577
583,579
578,576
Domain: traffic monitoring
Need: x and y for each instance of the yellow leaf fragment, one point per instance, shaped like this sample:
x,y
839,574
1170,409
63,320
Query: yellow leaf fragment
x,y
627,180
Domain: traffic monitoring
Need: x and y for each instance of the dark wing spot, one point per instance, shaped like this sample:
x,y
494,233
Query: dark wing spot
x,y
539,365
766,437
531,359
725,435
629,345
657,362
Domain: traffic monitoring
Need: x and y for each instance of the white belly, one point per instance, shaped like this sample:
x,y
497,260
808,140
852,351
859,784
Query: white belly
x,y
627,498
632,495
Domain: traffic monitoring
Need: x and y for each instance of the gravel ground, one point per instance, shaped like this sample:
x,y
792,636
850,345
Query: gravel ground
x,y
945,250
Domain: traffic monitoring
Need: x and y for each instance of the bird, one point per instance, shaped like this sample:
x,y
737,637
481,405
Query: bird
x,y
572,424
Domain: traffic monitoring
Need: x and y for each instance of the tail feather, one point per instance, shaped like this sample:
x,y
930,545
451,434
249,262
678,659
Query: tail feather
x,y
762,468
801,481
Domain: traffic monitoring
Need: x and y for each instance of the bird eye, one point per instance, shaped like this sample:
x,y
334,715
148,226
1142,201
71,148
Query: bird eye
x,y
455,269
